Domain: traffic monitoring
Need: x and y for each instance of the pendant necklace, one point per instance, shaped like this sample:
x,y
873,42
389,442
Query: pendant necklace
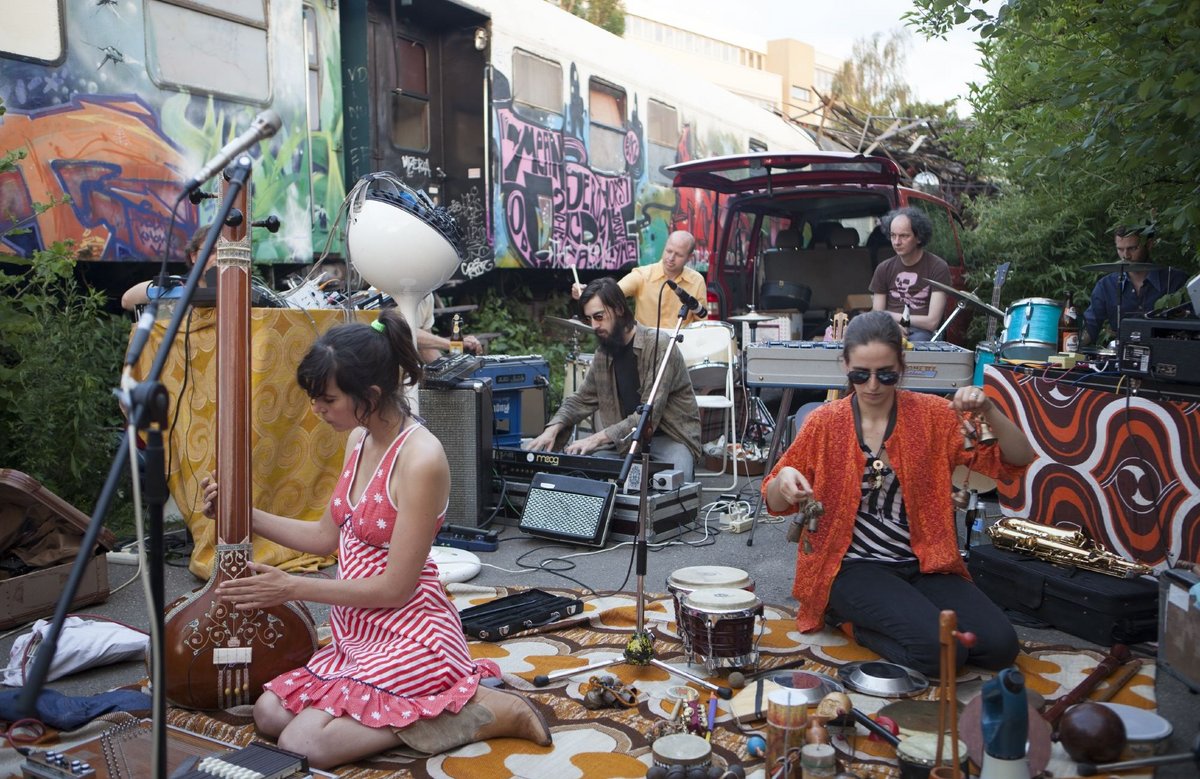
x,y
875,459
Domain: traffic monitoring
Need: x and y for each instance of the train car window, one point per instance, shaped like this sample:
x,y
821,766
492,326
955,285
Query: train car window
x,y
312,55
34,33
606,139
410,102
194,50
537,87
662,134
251,11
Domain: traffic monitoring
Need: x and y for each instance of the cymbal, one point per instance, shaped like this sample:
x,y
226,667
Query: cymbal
x,y
448,310
967,297
574,324
1117,267
751,316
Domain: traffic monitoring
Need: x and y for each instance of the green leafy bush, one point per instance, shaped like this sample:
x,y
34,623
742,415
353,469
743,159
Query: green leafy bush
x,y
60,355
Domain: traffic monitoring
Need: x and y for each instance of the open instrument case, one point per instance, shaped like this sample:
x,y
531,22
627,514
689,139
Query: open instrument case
x,y
1094,606
39,538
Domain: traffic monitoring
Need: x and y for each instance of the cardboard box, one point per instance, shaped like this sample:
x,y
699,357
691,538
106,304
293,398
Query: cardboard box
x,y
27,507
1179,626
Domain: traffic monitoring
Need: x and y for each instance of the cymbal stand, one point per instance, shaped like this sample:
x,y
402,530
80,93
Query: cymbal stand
x,y
639,650
958,308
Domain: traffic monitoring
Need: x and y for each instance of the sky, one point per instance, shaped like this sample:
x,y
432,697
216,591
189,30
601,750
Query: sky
x,y
937,69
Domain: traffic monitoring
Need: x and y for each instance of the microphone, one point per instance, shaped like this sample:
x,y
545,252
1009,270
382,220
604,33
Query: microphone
x,y
142,333
694,306
265,125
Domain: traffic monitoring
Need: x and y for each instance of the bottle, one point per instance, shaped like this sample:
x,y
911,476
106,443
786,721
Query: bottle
x,y
1068,330
906,319
456,338
979,536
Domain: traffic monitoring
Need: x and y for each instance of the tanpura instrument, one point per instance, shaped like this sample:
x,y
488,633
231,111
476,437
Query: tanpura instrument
x,y
217,656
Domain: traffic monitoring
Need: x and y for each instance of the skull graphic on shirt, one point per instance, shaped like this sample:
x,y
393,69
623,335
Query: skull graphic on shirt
x,y
902,291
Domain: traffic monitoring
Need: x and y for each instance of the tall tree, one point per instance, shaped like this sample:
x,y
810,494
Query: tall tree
x,y
873,79
608,14
1089,112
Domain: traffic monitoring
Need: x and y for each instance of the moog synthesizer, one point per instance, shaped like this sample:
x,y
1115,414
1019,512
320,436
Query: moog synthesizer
x,y
931,366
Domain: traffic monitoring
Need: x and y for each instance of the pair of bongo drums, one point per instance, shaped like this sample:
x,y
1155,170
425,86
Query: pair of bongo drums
x,y
718,616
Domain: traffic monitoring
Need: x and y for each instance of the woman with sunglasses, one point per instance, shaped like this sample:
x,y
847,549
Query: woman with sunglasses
x,y
883,560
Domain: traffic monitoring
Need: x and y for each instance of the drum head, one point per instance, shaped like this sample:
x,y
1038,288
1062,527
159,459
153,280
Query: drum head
x,y
697,576
718,600
682,749
921,749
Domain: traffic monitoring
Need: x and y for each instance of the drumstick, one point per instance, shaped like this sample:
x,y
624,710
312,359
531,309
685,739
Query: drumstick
x,y
575,273
1119,679
1116,657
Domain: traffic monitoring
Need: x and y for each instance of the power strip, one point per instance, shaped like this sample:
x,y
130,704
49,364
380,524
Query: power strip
x,y
122,558
739,525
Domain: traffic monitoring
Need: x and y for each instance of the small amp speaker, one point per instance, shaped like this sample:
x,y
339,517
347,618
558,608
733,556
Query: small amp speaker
x,y
461,417
567,508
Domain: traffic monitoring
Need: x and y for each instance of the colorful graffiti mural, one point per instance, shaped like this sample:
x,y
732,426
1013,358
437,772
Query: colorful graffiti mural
x,y
101,136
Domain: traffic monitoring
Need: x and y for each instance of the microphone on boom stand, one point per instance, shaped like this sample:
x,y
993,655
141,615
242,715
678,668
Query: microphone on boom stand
x,y
694,306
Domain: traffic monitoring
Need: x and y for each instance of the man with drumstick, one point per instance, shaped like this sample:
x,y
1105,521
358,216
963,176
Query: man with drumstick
x,y
1133,292
654,304
903,281
619,380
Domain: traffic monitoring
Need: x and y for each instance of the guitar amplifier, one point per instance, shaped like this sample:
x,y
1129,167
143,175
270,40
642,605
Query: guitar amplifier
x,y
1162,349
460,415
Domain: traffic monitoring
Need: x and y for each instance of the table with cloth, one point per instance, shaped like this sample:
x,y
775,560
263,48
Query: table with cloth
x,y
295,457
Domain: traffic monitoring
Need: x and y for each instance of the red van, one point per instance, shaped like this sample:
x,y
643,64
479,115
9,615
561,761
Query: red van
x,y
797,232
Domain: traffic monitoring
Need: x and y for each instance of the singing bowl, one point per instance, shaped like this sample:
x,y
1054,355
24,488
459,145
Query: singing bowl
x,y
882,679
398,250
811,686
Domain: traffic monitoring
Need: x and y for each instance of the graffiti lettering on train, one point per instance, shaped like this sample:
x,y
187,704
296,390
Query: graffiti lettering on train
x,y
581,211
415,166
468,211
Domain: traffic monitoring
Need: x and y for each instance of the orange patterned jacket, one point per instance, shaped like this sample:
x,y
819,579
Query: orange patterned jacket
x,y
924,448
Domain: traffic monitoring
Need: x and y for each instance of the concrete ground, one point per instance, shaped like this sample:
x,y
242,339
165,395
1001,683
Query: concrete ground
x,y
530,562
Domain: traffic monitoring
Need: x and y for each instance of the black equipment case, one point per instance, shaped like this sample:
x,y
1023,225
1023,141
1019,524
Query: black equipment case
x,y
1094,606
503,617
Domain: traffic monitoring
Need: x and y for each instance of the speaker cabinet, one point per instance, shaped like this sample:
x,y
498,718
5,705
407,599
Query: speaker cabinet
x,y
567,508
461,418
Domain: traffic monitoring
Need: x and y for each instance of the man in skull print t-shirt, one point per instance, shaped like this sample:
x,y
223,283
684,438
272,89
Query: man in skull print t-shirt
x,y
904,279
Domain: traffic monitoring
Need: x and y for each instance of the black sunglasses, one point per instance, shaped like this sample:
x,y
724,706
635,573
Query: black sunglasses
x,y
861,376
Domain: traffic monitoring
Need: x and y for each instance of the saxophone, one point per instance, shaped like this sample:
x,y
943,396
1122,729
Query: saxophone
x,y
1064,547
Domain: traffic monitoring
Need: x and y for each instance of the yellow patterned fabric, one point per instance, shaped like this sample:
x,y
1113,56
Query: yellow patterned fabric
x,y
295,458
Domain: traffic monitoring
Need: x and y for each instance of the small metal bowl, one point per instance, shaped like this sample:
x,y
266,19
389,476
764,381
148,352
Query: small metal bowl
x,y
882,679
811,685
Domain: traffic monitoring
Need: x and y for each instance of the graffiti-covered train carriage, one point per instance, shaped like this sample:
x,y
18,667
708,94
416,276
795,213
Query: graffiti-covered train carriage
x,y
546,136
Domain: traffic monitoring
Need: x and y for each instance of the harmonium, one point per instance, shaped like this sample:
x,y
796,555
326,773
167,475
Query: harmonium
x,y
930,366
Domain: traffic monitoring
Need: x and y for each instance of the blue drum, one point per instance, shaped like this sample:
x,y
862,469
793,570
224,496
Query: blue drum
x,y
985,354
1030,329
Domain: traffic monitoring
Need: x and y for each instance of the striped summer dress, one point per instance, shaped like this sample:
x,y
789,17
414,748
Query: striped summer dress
x,y
385,667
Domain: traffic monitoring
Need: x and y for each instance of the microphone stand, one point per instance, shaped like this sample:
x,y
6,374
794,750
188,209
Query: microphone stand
x,y
639,650
147,412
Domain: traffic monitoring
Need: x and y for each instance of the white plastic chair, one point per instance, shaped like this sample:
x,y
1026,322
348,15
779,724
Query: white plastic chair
x,y
708,350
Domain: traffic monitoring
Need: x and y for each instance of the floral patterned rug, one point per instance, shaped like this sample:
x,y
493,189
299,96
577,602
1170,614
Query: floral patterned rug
x,y
610,743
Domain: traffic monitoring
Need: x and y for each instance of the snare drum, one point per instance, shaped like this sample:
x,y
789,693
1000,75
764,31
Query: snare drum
x,y
717,624
576,369
1031,329
985,354
706,343
687,580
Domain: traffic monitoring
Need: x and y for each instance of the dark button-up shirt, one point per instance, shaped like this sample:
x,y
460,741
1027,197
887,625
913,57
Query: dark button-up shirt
x,y
1108,291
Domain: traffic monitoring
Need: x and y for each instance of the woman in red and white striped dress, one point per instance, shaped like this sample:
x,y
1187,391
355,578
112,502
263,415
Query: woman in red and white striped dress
x,y
398,671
